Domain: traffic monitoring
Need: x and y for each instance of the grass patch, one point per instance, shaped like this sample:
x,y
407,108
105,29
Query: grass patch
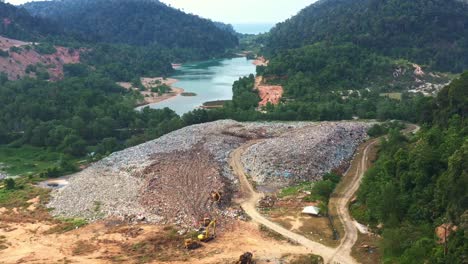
x,y
160,247
83,248
67,224
22,192
295,190
395,96
307,259
27,160
270,233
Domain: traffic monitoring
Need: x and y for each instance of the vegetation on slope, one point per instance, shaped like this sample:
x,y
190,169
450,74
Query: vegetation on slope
x,y
77,116
419,184
143,22
432,33
17,23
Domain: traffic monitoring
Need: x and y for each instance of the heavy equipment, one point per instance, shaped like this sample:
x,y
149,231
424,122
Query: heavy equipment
x,y
206,233
215,196
246,258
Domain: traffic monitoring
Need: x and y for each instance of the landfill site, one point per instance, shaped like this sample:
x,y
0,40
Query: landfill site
x,y
163,199
170,180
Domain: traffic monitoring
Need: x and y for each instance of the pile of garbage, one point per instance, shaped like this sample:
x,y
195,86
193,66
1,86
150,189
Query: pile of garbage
x,y
171,179
304,154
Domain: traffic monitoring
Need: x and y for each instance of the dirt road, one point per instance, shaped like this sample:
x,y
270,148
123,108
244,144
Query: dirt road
x,y
342,196
341,200
341,254
250,198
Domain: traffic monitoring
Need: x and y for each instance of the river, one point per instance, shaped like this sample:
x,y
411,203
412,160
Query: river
x,y
210,80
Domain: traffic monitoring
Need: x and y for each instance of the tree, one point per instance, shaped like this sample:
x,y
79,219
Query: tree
x,y
10,184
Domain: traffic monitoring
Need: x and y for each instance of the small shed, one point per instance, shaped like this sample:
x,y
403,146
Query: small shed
x,y
311,210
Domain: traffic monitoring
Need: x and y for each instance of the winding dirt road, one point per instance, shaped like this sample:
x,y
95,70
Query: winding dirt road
x,y
250,198
339,255
340,201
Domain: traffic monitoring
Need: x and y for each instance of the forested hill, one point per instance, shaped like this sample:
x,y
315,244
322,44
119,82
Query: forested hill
x,y
418,186
428,32
17,23
136,22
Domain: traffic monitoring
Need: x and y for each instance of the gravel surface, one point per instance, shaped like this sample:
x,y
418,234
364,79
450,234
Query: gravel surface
x,y
305,153
168,179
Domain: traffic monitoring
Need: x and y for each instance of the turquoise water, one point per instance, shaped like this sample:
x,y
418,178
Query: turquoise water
x,y
210,80
253,28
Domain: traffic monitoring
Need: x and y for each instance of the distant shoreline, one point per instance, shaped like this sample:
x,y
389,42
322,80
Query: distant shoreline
x,y
150,98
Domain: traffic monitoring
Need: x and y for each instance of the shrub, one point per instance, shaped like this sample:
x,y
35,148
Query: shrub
x,y
10,184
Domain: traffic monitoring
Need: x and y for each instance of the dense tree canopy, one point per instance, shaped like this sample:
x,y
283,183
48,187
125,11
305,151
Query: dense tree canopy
x,y
419,184
77,115
17,23
143,22
433,33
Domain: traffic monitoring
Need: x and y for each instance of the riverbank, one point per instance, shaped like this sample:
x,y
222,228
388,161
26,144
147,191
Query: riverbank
x,y
150,97
260,61
208,80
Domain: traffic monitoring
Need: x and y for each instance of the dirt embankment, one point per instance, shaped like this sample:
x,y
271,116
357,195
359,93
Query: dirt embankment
x,y
261,61
33,237
23,56
150,97
268,93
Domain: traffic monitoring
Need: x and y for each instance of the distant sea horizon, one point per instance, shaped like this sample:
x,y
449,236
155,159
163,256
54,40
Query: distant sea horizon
x,y
253,28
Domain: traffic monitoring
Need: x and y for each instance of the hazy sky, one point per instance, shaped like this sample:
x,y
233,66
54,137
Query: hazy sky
x,y
242,11
235,11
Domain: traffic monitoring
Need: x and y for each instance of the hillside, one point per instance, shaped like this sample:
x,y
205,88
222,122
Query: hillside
x,y
431,33
141,22
19,59
417,187
19,24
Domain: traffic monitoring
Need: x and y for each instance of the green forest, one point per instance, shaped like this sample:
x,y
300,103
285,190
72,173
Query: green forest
x,y
77,116
335,60
140,23
415,30
19,24
420,183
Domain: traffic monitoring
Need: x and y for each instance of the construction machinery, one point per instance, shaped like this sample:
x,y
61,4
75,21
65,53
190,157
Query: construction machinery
x,y
215,196
246,258
191,244
206,233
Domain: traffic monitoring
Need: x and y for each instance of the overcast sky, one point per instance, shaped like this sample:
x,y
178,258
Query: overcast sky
x,y
235,11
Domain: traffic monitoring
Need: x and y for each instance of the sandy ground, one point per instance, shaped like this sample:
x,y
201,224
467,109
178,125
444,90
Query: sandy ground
x,y
260,61
104,243
150,97
268,93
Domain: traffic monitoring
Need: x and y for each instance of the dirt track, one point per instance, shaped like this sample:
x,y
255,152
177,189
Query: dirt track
x,y
250,198
341,201
342,254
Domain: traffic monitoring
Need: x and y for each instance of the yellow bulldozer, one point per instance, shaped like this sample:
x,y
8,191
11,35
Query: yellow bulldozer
x,y
206,233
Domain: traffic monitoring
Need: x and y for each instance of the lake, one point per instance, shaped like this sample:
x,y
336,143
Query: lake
x,y
210,80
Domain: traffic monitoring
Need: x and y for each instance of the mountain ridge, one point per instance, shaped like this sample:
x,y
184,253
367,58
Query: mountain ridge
x,y
136,22
433,34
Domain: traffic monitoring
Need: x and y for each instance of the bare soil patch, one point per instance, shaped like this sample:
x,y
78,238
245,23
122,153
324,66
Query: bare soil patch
x,y
288,213
150,97
268,93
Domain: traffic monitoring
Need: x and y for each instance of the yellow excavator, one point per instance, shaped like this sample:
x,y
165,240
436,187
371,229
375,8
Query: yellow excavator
x,y
206,233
